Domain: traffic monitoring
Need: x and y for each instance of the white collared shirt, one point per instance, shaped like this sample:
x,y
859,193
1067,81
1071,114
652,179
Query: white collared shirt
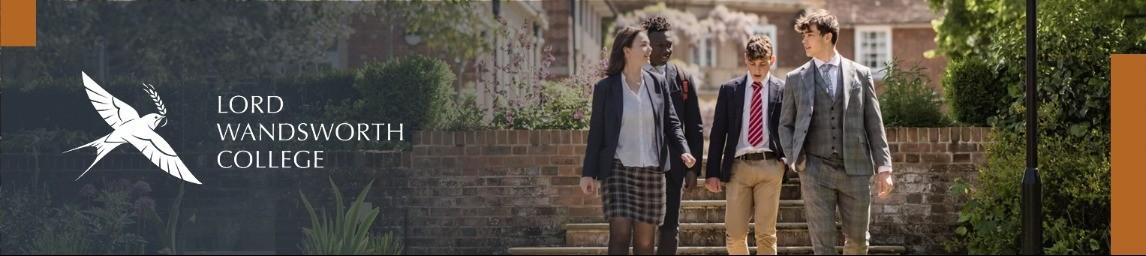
x,y
743,147
635,144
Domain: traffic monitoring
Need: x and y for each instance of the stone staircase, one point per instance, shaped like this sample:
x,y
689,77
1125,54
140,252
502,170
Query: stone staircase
x,y
702,228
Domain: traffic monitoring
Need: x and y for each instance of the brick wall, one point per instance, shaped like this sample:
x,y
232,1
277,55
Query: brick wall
x,y
477,192
485,191
482,192
919,214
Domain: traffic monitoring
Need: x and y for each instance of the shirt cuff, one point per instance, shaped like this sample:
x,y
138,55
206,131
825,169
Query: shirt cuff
x,y
883,169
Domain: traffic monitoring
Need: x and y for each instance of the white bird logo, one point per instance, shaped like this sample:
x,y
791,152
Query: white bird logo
x,y
130,128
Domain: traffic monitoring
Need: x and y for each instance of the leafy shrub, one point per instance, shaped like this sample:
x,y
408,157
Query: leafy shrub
x,y
1076,197
562,106
310,94
908,101
105,220
975,91
413,90
465,115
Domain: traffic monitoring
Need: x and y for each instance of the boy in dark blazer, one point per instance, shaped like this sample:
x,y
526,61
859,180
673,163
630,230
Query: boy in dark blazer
x,y
683,92
745,154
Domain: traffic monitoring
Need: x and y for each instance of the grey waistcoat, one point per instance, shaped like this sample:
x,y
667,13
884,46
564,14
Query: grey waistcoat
x,y
825,132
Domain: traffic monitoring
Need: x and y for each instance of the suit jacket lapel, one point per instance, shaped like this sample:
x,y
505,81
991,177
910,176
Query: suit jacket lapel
x,y
617,100
809,85
847,72
656,97
774,91
738,106
654,93
774,95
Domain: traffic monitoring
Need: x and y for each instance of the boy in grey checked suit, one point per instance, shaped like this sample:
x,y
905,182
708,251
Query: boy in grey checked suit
x,y
832,133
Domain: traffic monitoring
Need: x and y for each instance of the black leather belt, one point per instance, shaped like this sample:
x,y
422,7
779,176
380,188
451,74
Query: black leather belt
x,y
759,156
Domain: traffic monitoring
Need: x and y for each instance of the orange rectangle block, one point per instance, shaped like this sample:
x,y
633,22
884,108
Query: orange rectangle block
x,y
1127,85
18,23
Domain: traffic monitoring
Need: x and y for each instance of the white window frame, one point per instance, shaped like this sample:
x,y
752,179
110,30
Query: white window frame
x,y
701,52
861,54
770,31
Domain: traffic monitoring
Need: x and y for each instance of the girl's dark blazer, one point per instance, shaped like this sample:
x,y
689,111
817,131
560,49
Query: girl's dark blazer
x,y
605,125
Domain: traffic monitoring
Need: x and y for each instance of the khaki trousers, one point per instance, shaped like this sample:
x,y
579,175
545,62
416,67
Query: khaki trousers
x,y
753,192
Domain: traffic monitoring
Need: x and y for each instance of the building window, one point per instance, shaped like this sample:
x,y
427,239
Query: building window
x,y
770,32
581,13
496,8
704,52
873,48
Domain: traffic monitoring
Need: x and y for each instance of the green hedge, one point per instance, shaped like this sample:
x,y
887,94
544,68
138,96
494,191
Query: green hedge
x,y
975,91
414,90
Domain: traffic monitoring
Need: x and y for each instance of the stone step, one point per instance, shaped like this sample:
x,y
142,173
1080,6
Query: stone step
x,y
709,250
792,177
712,211
691,234
789,191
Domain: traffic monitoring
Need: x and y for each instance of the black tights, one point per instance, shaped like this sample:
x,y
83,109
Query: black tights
x,y
622,229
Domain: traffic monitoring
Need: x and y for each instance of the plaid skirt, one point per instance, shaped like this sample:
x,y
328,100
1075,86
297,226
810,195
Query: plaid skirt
x,y
637,193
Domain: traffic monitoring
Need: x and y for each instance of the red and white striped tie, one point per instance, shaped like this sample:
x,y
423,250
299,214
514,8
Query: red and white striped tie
x,y
755,129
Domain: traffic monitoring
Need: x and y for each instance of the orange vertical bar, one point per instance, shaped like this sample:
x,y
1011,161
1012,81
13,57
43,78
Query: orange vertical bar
x,y
1126,142
18,23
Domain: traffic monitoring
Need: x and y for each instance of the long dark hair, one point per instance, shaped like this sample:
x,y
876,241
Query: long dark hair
x,y
624,38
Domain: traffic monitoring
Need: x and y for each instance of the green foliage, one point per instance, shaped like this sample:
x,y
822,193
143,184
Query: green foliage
x,y
348,232
105,221
1075,41
562,106
976,91
414,91
312,93
451,28
908,101
387,244
22,213
168,230
160,42
1076,197
64,233
466,115
111,218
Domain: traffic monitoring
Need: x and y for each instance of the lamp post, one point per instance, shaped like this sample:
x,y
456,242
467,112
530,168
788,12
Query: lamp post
x,y
1032,214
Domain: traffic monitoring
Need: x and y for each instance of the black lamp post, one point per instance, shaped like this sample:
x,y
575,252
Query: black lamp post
x,y
1032,214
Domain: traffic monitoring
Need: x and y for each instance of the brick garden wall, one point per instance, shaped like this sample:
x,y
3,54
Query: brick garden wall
x,y
477,192
919,214
486,191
